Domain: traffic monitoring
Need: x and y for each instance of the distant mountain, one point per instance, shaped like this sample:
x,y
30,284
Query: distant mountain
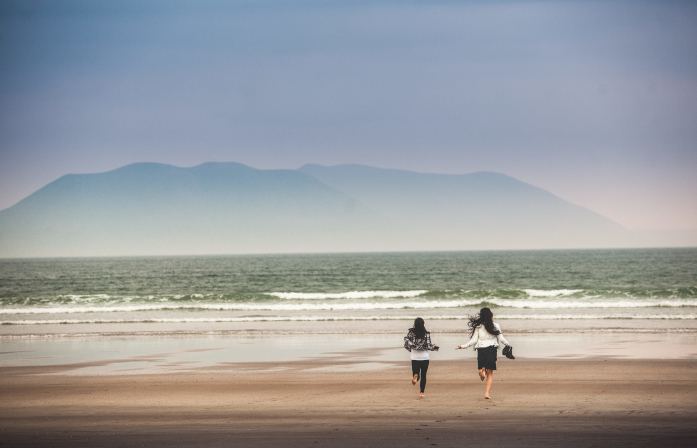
x,y
215,208
481,210
150,208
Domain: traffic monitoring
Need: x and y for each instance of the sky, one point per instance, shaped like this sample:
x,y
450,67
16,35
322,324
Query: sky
x,y
595,101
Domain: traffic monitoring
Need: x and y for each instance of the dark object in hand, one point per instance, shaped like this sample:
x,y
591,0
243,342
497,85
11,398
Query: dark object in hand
x,y
508,352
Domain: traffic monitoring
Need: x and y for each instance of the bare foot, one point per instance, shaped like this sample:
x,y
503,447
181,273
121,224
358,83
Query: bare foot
x,y
414,380
482,374
421,395
486,396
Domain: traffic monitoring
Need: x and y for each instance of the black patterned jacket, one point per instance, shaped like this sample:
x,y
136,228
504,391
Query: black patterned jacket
x,y
411,342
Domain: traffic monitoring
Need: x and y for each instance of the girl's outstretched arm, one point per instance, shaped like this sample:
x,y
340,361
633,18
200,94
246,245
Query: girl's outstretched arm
x,y
472,341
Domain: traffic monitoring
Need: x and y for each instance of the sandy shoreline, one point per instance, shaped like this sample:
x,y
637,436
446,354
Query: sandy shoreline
x,y
595,402
156,354
590,325
275,387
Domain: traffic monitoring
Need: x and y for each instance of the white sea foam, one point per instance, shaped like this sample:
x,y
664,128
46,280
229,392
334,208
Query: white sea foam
x,y
551,293
591,303
360,305
242,307
345,295
691,316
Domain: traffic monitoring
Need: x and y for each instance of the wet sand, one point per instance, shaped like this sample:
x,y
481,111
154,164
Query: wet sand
x,y
274,386
398,326
324,402
157,354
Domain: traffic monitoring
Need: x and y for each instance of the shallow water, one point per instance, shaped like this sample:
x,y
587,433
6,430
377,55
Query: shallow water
x,y
333,352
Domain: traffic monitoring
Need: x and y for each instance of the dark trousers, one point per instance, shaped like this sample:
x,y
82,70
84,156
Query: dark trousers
x,y
420,368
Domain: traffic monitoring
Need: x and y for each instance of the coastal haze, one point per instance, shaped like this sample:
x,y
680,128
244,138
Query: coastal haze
x,y
229,208
592,101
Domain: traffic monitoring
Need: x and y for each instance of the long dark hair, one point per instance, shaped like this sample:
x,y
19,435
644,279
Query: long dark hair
x,y
419,329
486,318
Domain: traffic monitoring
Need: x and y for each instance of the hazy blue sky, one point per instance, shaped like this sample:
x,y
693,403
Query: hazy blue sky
x,y
595,101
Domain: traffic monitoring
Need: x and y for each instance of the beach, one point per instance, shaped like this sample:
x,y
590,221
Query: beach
x,y
273,223
307,350
535,402
293,388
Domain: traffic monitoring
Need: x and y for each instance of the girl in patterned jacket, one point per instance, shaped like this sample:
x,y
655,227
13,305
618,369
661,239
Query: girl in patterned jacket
x,y
418,342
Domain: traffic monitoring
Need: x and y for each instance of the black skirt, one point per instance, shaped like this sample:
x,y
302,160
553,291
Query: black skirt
x,y
486,357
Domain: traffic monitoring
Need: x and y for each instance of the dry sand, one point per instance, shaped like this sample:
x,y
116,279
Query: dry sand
x,y
587,402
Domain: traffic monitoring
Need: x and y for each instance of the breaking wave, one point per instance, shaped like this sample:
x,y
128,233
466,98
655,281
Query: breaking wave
x,y
556,299
690,316
345,295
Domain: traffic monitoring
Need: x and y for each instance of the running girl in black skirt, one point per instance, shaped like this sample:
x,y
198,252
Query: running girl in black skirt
x,y
418,342
485,336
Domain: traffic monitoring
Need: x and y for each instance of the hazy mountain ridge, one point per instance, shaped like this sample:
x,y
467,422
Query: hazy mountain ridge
x,y
479,210
152,209
156,208
465,194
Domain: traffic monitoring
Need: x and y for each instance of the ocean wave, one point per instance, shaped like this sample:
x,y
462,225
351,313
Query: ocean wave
x,y
356,305
691,316
515,298
241,307
551,293
345,295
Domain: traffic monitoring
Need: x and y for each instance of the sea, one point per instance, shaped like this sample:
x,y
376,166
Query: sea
x,y
652,285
